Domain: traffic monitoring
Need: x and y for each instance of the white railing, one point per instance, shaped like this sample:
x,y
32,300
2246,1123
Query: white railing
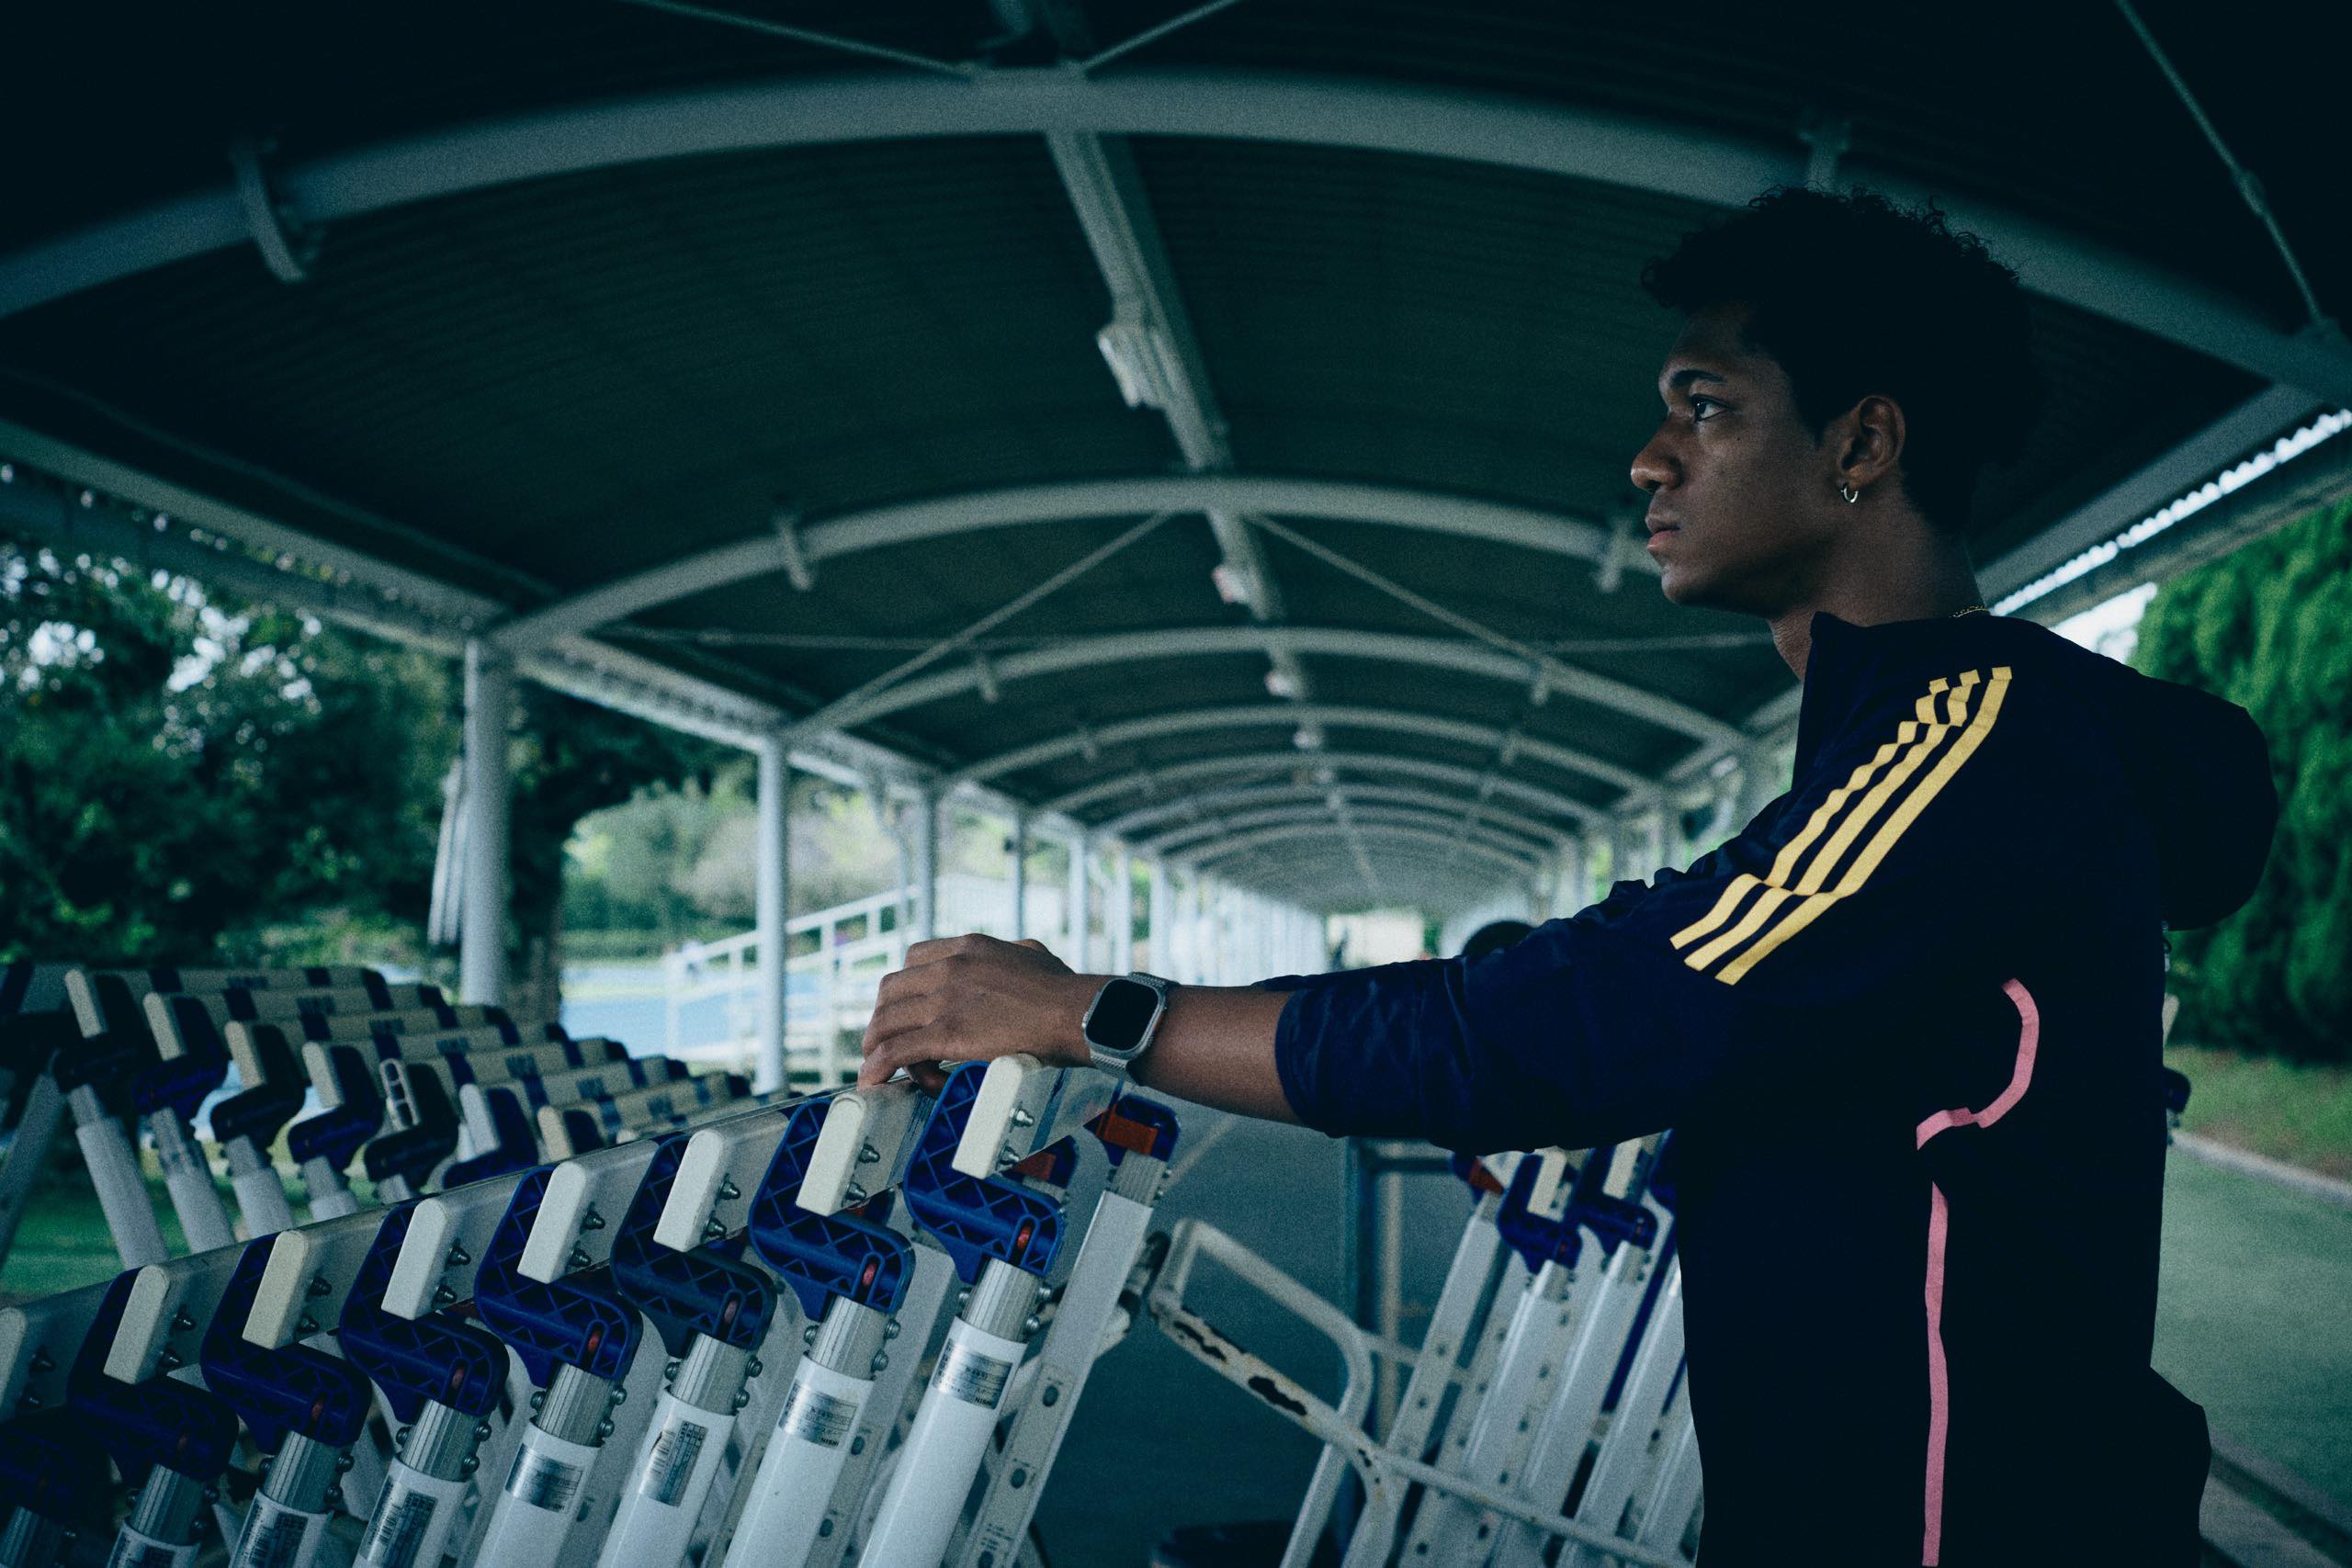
x,y
828,989
856,945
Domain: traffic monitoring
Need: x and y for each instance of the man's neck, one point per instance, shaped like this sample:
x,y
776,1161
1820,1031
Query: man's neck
x,y
1935,584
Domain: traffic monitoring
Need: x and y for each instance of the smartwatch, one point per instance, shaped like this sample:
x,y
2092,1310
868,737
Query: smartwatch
x,y
1124,1016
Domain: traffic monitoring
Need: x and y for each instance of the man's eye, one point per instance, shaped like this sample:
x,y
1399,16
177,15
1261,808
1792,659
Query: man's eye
x,y
1701,407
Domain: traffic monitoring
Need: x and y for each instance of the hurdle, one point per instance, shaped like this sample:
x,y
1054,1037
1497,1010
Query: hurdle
x,y
712,1312
858,1282
36,1023
1528,1341
117,1053
52,1476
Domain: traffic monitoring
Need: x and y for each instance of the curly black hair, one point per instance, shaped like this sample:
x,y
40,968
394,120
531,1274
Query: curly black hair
x,y
1854,295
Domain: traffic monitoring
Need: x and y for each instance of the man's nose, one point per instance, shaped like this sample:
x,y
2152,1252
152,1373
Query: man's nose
x,y
1651,471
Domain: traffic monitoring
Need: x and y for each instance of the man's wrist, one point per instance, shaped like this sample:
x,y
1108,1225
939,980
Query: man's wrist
x,y
1122,1018
1071,1049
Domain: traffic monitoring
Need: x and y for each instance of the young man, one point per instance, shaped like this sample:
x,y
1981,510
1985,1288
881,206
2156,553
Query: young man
x,y
1905,1024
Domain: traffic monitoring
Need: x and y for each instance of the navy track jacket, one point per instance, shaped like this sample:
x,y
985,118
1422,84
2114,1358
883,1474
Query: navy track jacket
x,y
1906,1025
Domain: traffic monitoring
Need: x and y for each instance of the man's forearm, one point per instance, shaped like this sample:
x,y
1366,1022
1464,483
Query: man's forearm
x,y
1215,1047
971,997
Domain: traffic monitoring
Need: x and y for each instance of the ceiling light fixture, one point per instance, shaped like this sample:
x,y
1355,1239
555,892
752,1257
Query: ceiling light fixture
x,y
1141,359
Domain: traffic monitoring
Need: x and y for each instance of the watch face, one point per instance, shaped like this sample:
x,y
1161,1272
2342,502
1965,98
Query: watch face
x,y
1122,1012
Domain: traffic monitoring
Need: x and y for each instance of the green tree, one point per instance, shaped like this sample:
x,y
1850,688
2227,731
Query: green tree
x,y
572,758
680,859
187,775
2264,626
184,774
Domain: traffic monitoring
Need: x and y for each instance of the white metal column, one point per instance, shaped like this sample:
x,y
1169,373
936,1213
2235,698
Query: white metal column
x,y
1122,911
481,931
905,866
771,903
1161,947
1081,897
1220,933
926,866
1203,929
1575,880
1020,875
1183,929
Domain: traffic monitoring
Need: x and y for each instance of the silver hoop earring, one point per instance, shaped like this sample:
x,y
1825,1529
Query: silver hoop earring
x,y
1849,493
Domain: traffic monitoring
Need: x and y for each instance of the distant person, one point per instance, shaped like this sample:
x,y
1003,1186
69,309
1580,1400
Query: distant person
x,y
1905,1023
1495,936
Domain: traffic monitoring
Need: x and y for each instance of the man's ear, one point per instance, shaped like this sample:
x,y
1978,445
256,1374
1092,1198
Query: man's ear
x,y
1869,439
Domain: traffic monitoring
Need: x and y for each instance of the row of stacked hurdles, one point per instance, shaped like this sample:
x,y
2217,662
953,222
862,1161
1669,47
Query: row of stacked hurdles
x,y
586,1308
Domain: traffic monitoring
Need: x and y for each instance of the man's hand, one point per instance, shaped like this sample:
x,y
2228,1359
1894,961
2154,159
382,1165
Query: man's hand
x,y
973,997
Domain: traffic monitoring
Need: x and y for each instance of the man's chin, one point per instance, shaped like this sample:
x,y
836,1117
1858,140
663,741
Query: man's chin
x,y
1684,586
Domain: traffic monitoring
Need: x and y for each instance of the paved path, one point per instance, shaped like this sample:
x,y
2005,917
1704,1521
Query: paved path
x,y
2253,1318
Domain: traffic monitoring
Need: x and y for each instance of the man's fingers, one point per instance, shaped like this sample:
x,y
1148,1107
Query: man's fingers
x,y
902,985
886,1058
939,947
1034,944
898,1016
912,1049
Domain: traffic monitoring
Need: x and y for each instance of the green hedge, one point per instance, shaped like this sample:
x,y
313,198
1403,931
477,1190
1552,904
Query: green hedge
x,y
2270,627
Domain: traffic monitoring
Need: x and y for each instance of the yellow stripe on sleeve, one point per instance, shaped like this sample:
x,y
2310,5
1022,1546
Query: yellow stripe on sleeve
x,y
1784,865
1914,743
1814,906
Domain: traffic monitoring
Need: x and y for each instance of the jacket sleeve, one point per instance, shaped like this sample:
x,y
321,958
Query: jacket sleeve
x,y
1896,872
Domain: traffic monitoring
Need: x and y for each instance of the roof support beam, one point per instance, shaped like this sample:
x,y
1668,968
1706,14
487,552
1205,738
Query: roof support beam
x,y
1654,155
1157,360
1195,809
1183,642
1276,763
1213,854
1173,841
1309,871
2147,489
1287,716
943,516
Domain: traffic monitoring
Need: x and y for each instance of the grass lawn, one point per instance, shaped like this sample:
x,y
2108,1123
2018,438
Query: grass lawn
x,y
2299,1114
62,1242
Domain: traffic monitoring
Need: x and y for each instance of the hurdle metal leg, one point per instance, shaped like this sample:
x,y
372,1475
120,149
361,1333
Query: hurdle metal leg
x,y
1083,1319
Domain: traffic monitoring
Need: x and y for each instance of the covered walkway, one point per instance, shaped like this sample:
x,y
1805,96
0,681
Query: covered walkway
x,y
1194,435
1198,434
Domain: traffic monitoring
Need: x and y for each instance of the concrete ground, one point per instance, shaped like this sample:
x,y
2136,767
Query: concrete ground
x,y
2254,1317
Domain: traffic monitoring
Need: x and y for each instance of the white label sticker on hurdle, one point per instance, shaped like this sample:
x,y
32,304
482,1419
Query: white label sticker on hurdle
x,y
132,1550
815,1417
971,1375
549,1472
274,1535
403,1520
672,1463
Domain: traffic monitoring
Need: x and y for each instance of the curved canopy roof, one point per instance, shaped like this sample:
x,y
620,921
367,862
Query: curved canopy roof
x,y
758,379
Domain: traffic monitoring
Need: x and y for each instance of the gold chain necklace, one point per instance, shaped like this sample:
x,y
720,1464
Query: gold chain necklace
x,y
1972,610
